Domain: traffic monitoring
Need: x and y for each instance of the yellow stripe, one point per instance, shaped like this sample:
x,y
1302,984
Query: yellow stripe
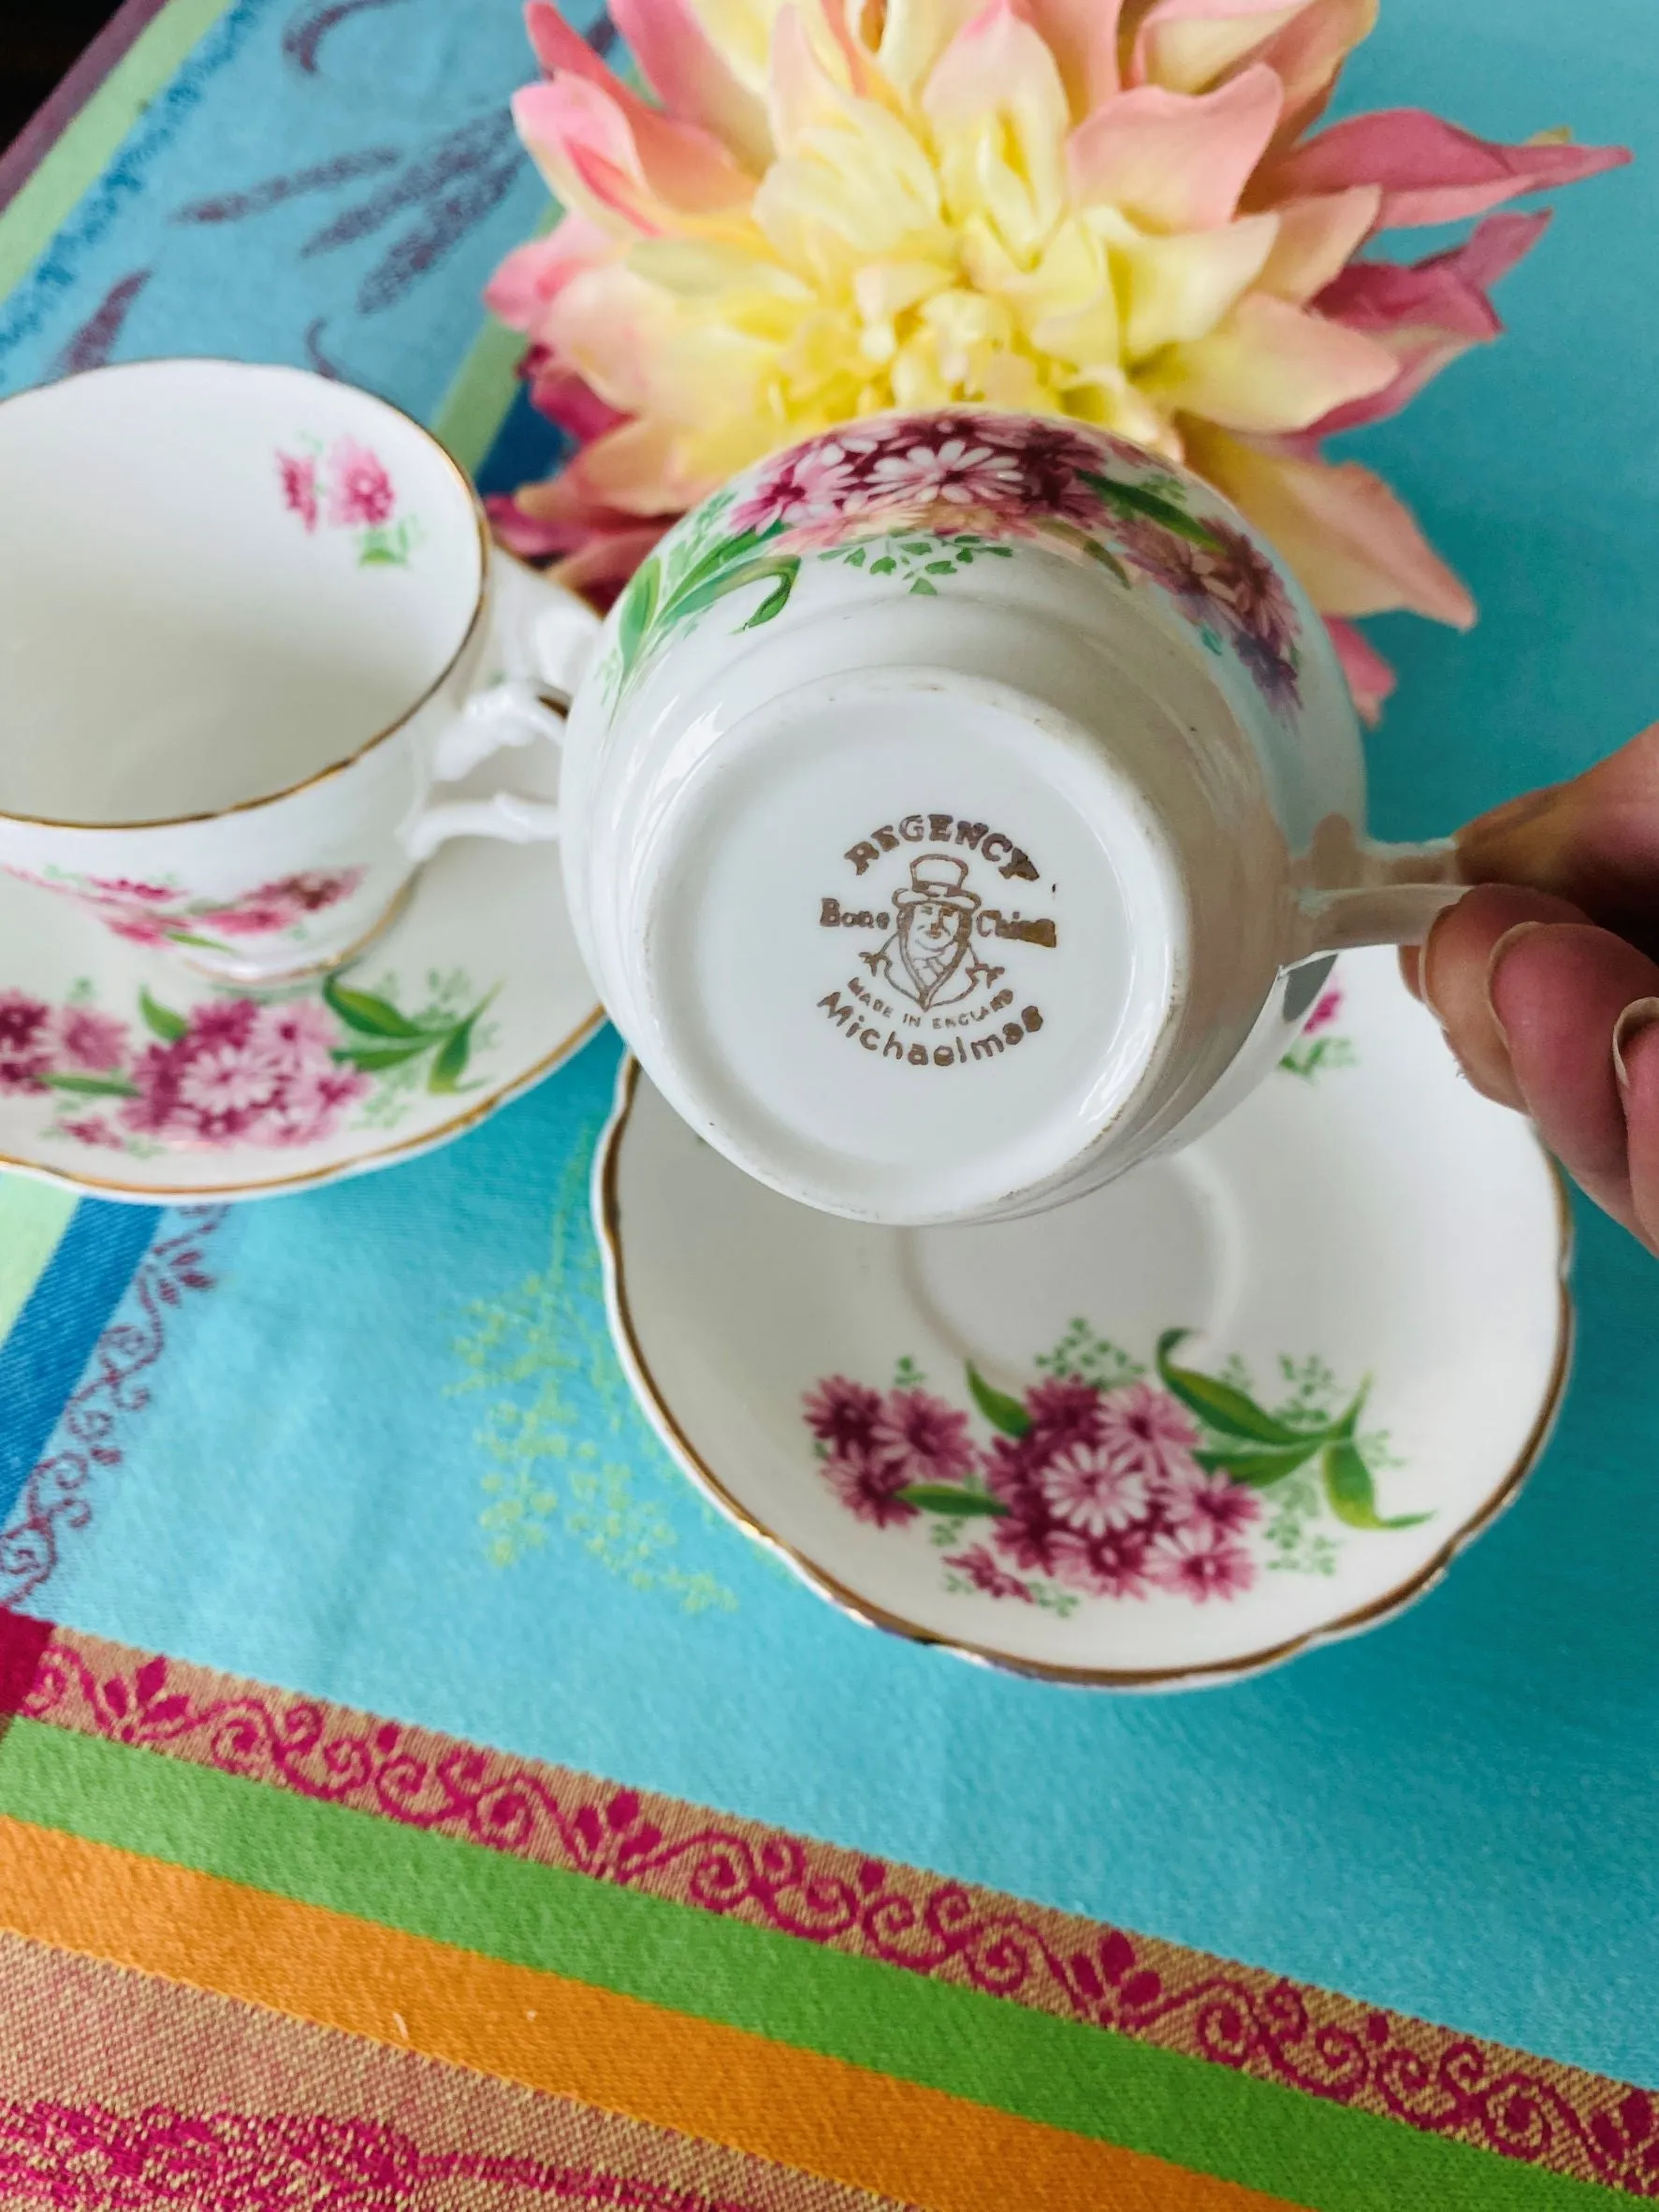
x,y
33,1217
819,2114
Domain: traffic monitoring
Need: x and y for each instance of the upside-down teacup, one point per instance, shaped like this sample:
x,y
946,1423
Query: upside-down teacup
x,y
962,807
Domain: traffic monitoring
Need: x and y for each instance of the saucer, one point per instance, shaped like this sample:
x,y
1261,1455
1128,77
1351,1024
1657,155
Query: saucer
x,y
123,1073
1249,1398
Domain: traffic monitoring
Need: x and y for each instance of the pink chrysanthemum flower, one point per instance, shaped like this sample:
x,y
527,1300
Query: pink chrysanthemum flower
x,y
1124,214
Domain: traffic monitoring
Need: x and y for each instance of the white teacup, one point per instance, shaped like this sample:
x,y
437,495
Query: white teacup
x,y
248,617
962,807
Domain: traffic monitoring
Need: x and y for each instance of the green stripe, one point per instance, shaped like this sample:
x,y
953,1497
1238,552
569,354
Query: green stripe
x,y
88,144
33,1217
473,408
882,2018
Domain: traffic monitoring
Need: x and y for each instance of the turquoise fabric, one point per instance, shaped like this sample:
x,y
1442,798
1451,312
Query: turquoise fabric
x,y
334,1484
327,184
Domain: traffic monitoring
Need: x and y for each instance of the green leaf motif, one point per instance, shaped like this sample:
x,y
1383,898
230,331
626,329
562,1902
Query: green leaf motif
x,y
639,603
884,567
1260,1465
189,936
93,1087
1352,1494
167,1025
374,1059
1107,560
923,589
999,1409
780,569
453,1055
371,1016
1217,1405
1134,499
778,598
944,1497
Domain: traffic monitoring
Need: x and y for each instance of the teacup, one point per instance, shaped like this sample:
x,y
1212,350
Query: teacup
x,y
249,617
962,808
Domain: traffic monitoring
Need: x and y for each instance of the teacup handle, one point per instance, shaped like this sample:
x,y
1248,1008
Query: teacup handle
x,y
1391,897
553,630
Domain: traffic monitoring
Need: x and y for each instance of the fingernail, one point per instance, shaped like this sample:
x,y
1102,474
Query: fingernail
x,y
1500,953
1425,967
1642,1014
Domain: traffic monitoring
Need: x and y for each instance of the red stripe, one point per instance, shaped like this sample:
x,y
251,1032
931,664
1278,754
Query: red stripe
x,y
22,1642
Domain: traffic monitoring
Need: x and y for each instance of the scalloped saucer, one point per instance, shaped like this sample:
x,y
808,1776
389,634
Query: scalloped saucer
x,y
1246,1399
123,1073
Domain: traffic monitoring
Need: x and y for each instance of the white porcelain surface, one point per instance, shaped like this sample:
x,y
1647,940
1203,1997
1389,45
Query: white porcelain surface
x,y
952,802
1364,1232
122,1074
224,710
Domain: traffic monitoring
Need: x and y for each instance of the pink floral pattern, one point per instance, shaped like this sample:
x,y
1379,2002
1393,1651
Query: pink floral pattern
x,y
234,1069
1321,1046
1255,2023
242,1072
299,474
918,499
1106,1484
168,914
87,2158
347,487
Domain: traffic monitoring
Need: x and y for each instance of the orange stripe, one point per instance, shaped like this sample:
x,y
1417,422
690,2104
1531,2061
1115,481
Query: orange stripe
x,y
722,2083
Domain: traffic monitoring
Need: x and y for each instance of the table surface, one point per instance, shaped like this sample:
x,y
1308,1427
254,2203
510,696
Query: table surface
x,y
369,1444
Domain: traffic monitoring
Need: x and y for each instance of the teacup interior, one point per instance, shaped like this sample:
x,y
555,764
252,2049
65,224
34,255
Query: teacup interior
x,y
216,580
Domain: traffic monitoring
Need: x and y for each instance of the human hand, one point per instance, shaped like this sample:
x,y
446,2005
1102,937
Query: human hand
x,y
1545,977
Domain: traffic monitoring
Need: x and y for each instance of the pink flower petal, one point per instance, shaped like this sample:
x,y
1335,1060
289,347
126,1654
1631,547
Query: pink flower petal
x,y
1431,171
691,78
996,64
1447,290
684,165
634,468
524,535
1428,313
1171,160
1351,540
998,73
1188,44
801,94
579,139
1308,54
1371,679
567,398
533,275
1082,35
1315,238
1271,366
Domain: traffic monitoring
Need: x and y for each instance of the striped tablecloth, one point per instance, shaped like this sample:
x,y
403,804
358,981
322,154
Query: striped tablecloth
x,y
411,1795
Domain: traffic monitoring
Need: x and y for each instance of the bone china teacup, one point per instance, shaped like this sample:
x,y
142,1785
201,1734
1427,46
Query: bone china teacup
x,y
962,807
248,617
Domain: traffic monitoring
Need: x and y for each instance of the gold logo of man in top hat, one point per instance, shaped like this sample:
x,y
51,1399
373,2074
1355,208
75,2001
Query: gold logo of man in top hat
x,y
930,957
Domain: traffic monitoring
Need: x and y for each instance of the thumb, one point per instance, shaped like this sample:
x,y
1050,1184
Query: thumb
x,y
1593,842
